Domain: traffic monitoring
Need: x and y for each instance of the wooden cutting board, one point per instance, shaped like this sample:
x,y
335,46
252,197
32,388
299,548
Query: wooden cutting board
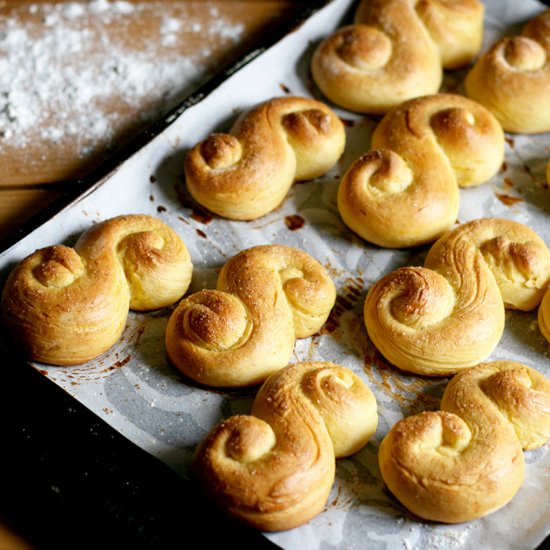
x,y
79,78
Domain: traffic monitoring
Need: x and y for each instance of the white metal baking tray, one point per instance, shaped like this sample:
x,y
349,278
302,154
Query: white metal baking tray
x,y
134,389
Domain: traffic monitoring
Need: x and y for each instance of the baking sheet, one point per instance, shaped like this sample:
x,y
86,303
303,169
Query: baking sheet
x,y
134,389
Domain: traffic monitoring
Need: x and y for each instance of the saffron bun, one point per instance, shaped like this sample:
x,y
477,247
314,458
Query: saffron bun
x,y
247,173
396,50
65,306
512,78
544,309
240,333
544,315
449,315
405,190
465,460
273,470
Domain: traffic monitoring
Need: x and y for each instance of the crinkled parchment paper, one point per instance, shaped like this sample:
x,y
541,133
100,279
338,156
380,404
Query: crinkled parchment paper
x,y
134,389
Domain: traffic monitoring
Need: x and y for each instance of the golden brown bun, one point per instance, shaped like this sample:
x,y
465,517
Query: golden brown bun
x,y
449,315
274,470
237,335
466,460
65,306
544,315
544,310
512,79
404,192
247,173
395,51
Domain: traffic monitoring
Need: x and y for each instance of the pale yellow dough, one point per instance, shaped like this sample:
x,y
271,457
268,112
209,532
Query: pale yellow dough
x,y
465,460
274,470
405,190
247,173
65,306
395,51
237,335
449,315
512,79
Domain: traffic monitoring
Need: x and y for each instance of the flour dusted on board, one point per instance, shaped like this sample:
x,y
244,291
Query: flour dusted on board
x,y
60,71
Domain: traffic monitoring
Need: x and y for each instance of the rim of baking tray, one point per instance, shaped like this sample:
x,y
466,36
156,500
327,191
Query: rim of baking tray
x,y
73,190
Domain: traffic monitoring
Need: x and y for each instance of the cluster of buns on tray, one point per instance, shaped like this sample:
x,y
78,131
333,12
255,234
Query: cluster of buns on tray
x,y
273,469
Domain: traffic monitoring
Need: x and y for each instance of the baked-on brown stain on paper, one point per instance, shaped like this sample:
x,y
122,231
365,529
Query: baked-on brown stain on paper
x,y
285,88
528,170
410,391
197,213
338,494
347,298
201,216
294,222
100,368
507,199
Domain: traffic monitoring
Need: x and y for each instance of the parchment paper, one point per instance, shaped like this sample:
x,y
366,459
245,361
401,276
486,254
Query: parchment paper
x,y
134,389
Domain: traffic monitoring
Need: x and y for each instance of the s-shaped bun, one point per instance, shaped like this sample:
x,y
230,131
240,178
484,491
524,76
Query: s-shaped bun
x,y
449,315
544,315
65,306
248,172
274,470
237,335
395,51
405,191
512,79
465,460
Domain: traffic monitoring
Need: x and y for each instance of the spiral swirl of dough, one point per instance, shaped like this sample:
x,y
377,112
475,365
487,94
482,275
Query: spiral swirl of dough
x,y
395,51
247,173
465,460
274,470
449,314
65,306
404,192
237,335
512,78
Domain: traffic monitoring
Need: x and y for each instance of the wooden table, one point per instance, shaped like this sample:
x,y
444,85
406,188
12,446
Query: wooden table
x,y
57,119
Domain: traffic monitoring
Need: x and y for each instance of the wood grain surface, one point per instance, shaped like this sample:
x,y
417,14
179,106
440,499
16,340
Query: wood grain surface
x,y
36,158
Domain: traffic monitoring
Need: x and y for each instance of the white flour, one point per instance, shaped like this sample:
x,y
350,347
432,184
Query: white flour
x,y
60,70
